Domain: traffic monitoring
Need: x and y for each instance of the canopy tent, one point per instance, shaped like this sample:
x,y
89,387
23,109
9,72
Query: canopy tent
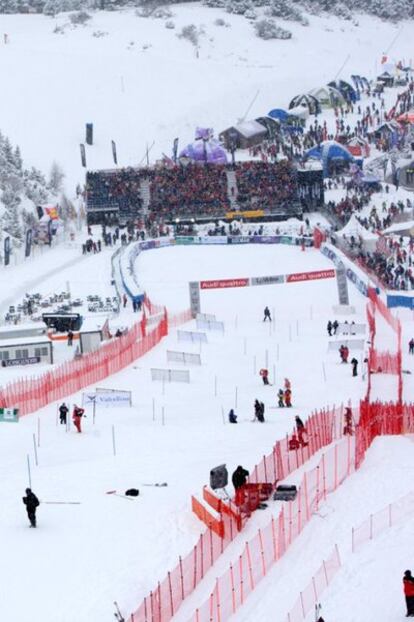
x,y
385,129
271,125
244,135
205,151
346,89
401,228
278,114
328,96
354,228
330,154
358,147
300,112
406,117
386,78
306,101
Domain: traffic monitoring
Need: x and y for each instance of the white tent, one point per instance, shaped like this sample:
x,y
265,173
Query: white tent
x,y
328,96
354,228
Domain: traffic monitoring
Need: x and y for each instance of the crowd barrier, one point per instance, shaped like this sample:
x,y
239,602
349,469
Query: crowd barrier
x,y
383,362
30,394
311,595
272,541
382,520
226,521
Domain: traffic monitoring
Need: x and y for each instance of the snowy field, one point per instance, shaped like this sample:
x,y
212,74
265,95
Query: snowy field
x,y
83,556
95,550
74,77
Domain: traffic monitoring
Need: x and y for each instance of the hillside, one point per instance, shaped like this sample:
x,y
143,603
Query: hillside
x,y
57,77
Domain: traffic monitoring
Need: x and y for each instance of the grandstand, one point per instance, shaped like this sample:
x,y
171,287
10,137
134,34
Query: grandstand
x,y
195,192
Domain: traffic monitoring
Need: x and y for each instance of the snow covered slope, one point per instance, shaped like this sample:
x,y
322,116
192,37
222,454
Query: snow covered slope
x,y
140,83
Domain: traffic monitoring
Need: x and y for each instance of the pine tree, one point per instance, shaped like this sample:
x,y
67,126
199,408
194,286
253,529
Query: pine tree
x,y
11,218
56,178
18,162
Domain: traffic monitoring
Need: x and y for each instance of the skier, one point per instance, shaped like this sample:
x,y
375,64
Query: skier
x,y
288,398
267,314
124,300
77,417
260,414
257,410
411,346
335,326
345,328
280,396
348,421
63,411
288,384
232,416
354,364
329,328
344,353
408,581
31,502
239,479
265,376
70,337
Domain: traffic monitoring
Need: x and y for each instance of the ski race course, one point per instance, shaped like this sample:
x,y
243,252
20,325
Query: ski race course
x,y
86,555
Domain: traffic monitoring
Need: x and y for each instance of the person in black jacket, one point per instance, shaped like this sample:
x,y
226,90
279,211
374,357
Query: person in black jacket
x,y
31,502
63,411
354,364
239,477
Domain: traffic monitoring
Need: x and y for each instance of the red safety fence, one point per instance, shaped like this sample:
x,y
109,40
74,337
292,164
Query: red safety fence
x,y
382,520
311,595
383,362
161,604
272,541
30,394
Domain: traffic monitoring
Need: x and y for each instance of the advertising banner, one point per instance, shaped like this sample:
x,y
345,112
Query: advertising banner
x,y
310,276
267,280
213,239
107,399
223,283
30,360
256,213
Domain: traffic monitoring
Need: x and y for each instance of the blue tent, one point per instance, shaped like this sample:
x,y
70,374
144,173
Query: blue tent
x,y
279,114
346,89
329,152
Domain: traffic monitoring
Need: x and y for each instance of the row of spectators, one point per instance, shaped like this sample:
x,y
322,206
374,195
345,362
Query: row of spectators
x,y
265,186
395,269
189,190
118,189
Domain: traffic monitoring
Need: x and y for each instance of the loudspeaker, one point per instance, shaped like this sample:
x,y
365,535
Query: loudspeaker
x,y
219,477
89,133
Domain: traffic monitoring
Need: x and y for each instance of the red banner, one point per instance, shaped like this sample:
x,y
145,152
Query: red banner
x,y
310,276
221,283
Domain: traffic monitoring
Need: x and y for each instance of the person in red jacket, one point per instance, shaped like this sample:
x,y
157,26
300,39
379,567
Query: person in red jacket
x,y
77,417
408,581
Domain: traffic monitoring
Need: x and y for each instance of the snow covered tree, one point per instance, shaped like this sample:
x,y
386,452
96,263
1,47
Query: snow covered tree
x,y
56,178
11,218
268,29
